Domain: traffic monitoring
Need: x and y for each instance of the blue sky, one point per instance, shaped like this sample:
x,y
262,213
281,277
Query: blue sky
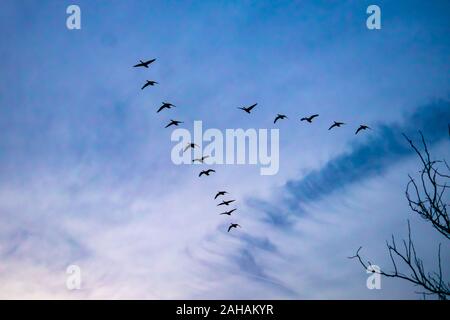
x,y
85,170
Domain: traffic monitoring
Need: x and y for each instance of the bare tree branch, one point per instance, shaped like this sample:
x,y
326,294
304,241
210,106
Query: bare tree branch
x,y
427,199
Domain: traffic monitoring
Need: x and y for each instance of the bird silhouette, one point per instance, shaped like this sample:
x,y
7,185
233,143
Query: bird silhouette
x,y
149,83
201,160
190,145
279,116
220,193
336,124
310,118
228,213
233,225
248,109
173,123
362,127
206,172
226,203
144,63
165,105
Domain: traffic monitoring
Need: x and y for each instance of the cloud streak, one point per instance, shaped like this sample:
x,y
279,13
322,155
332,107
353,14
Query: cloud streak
x,y
374,155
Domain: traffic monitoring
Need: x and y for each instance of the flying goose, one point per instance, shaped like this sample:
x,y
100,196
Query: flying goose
x,y
190,145
144,63
206,172
233,225
336,124
310,118
220,193
228,212
173,123
279,116
149,83
165,105
248,109
226,203
362,127
201,160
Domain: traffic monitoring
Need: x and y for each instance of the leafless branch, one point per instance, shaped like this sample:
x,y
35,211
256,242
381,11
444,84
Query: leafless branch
x,y
415,273
426,196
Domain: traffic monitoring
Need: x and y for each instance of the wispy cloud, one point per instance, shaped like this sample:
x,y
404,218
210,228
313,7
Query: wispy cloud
x,y
383,148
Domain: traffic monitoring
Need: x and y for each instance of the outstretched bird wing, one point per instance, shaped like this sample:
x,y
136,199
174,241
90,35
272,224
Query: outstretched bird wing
x,y
149,61
144,63
336,124
251,107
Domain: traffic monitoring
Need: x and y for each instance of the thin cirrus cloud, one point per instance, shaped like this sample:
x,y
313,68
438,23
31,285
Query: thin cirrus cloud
x,y
374,155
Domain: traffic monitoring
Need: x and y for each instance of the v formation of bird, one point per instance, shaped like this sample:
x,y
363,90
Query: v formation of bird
x,y
248,109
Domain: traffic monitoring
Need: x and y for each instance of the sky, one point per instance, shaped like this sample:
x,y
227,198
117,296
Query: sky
x,y
86,176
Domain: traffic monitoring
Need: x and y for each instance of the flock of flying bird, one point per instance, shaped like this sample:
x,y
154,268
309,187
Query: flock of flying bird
x,y
191,145
167,105
307,119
